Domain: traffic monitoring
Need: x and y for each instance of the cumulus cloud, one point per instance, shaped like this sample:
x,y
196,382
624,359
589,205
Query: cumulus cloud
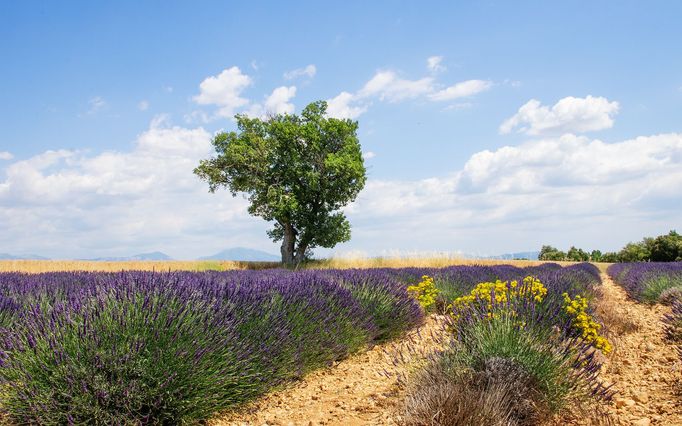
x,y
388,86
309,71
433,63
345,105
552,188
4,155
461,90
275,103
225,91
562,190
77,204
368,155
568,115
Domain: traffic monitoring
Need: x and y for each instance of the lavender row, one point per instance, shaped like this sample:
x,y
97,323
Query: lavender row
x,y
647,281
143,347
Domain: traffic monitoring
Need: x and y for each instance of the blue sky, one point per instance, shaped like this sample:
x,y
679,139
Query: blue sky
x,y
487,126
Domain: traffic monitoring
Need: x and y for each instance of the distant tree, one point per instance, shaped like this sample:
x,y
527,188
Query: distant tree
x,y
596,256
635,252
577,255
667,248
609,257
298,171
551,253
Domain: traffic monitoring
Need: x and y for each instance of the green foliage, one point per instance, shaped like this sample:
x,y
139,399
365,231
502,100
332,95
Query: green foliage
x,y
551,253
635,252
667,248
664,248
596,256
297,171
577,255
609,257
534,349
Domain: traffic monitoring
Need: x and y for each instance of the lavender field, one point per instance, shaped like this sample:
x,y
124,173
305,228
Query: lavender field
x,y
150,347
648,281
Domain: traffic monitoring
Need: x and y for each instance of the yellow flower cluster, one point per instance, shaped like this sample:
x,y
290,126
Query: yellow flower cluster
x,y
588,327
504,291
425,292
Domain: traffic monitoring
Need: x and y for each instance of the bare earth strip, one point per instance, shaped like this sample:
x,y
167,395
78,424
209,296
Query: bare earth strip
x,y
644,366
356,391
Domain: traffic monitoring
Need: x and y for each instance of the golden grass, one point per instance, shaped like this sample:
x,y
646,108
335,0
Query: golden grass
x,y
420,262
38,266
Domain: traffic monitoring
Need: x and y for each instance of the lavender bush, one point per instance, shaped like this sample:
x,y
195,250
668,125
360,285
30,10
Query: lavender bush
x,y
522,354
142,347
645,281
673,324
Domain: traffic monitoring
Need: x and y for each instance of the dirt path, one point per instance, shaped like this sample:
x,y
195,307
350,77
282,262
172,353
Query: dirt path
x,y
644,366
356,391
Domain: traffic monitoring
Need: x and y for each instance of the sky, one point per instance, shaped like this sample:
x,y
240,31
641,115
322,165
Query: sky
x,y
487,127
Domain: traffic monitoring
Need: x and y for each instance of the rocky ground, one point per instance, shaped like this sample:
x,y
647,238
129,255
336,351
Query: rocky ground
x,y
357,391
644,366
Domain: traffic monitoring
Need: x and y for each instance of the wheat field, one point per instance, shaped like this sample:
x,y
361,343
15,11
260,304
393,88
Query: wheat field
x,y
39,266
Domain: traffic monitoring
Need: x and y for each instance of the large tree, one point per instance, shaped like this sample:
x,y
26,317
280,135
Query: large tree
x,y
297,171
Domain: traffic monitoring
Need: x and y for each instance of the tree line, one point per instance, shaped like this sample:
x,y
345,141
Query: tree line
x,y
663,248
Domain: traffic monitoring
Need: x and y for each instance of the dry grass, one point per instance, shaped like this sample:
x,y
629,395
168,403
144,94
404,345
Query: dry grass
x,y
38,266
501,395
616,321
420,262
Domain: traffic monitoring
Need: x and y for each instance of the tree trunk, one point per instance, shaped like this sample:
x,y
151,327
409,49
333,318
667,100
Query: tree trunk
x,y
288,244
300,253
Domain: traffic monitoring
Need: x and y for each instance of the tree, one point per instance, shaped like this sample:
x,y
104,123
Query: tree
x,y
577,255
551,253
667,248
609,257
596,256
297,171
635,252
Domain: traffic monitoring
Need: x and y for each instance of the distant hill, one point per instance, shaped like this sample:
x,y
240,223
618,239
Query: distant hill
x,y
6,256
156,255
530,255
243,254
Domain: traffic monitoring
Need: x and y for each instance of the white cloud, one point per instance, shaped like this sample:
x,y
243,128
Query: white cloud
x,y
433,63
560,190
143,105
387,86
309,71
224,90
568,115
342,106
4,155
278,101
75,204
567,188
275,103
368,155
461,90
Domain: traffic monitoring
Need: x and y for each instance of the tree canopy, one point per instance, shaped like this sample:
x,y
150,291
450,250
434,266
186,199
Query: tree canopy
x,y
663,248
297,171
